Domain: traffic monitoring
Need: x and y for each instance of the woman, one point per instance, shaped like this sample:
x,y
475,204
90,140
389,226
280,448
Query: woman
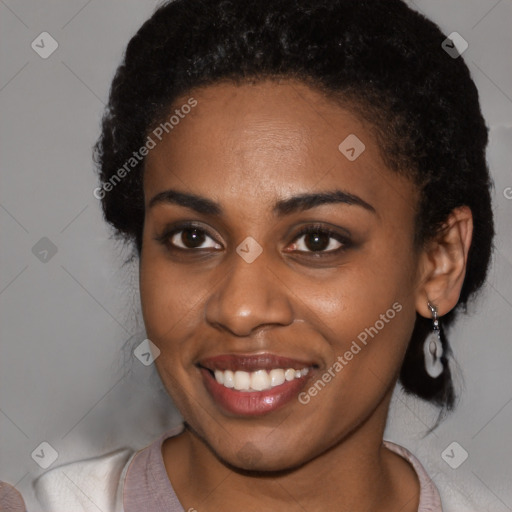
x,y
305,185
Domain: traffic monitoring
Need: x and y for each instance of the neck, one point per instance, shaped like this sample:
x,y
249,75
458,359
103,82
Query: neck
x,y
357,473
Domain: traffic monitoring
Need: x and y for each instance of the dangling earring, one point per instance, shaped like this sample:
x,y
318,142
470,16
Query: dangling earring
x,y
432,348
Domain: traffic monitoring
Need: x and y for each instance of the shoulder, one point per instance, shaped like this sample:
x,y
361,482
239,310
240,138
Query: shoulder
x,y
10,498
105,482
84,486
433,494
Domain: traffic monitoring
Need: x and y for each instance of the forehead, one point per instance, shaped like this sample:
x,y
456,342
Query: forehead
x,y
263,141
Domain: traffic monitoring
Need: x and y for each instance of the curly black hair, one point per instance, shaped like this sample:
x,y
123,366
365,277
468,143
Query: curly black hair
x,y
379,58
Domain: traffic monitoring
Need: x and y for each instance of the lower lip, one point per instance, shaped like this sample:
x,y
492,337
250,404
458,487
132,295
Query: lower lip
x,y
252,403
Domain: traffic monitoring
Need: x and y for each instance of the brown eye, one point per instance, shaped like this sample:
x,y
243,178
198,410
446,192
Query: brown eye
x,y
187,237
316,241
192,238
319,240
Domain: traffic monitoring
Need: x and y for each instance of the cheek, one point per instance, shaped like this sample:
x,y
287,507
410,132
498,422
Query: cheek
x,y
359,293
170,310
167,294
173,300
366,314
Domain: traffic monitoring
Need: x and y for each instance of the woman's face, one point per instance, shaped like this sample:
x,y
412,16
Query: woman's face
x,y
244,295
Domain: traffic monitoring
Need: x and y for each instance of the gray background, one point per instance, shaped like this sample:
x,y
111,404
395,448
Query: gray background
x,y
67,324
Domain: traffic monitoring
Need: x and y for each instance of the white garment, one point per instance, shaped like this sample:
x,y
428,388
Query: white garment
x,y
90,485
97,485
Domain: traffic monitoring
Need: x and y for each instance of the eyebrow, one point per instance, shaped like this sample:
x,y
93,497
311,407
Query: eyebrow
x,y
282,207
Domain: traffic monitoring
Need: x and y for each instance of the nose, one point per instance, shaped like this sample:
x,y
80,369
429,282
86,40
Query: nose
x,y
249,297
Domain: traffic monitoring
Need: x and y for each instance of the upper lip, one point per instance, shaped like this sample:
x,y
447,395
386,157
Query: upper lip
x,y
253,362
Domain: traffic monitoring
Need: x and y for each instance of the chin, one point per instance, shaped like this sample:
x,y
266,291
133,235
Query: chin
x,y
251,459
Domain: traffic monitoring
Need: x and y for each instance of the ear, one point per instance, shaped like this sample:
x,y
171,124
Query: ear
x,y
443,262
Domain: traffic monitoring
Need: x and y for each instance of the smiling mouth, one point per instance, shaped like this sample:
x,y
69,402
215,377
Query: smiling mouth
x,y
253,384
260,380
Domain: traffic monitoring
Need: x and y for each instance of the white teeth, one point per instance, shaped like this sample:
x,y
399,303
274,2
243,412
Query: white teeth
x,y
259,380
289,374
242,380
229,380
276,377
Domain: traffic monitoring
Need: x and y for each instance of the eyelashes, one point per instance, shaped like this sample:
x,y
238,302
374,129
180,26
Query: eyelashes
x,y
314,239
314,234
196,235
